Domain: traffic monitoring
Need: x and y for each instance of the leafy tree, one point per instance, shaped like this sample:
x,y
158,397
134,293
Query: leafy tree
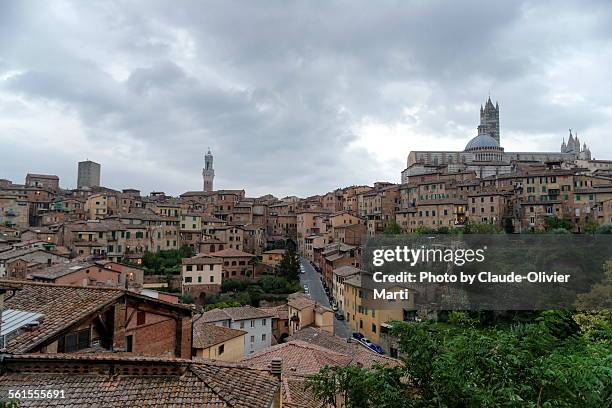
x,y
559,231
222,305
392,229
600,296
355,387
187,298
231,285
590,227
474,228
544,362
289,266
551,223
604,229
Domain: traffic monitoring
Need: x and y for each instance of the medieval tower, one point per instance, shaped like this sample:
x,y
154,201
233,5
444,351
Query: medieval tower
x,y
489,119
208,173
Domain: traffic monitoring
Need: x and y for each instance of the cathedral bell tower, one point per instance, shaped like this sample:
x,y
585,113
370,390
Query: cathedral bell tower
x,y
208,173
489,118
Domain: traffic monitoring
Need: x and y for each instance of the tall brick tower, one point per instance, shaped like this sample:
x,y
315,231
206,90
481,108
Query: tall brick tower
x,y
208,173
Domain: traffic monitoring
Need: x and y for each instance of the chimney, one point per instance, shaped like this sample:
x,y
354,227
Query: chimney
x,y
276,367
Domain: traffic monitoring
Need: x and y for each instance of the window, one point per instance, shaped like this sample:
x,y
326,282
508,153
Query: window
x,y
263,322
252,339
242,324
373,328
263,337
189,268
221,349
141,317
188,279
212,279
73,341
129,343
199,279
252,323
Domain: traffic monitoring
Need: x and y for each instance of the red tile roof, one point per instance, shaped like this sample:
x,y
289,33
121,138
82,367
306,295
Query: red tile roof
x,y
234,313
206,335
106,380
61,306
231,253
358,353
299,358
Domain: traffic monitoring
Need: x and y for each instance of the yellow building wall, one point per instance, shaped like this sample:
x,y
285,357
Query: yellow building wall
x,y
233,350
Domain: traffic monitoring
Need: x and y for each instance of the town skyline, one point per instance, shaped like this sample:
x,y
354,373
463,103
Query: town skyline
x,y
294,108
285,194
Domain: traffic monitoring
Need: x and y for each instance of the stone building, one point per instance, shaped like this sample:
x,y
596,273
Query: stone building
x,y
88,174
484,153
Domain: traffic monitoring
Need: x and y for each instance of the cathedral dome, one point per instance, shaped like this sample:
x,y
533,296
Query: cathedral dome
x,y
481,141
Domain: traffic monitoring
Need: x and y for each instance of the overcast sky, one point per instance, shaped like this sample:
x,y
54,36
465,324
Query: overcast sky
x,y
292,97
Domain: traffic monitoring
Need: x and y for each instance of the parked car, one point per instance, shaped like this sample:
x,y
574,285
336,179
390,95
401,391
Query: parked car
x,y
374,347
358,336
339,316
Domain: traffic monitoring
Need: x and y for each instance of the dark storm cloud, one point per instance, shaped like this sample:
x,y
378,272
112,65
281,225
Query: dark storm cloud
x,y
281,90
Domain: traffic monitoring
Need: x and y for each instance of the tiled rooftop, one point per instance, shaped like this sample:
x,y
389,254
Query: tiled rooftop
x,y
299,358
61,306
234,313
231,253
59,270
206,335
358,353
105,381
202,259
346,270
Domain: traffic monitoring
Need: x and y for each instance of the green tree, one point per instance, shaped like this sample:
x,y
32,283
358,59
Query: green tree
x,y
544,362
604,229
474,228
187,298
289,266
551,223
355,387
222,305
392,229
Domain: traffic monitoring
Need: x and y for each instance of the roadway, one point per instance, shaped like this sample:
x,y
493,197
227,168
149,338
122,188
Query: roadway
x,y
313,279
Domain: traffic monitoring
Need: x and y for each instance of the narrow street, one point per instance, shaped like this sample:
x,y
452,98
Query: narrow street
x,y
313,280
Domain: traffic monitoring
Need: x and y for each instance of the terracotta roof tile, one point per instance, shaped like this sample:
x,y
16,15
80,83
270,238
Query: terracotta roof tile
x,y
206,335
299,358
61,307
127,382
231,253
295,393
234,313
358,353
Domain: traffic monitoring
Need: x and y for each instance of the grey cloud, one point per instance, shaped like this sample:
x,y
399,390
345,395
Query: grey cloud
x,y
276,89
